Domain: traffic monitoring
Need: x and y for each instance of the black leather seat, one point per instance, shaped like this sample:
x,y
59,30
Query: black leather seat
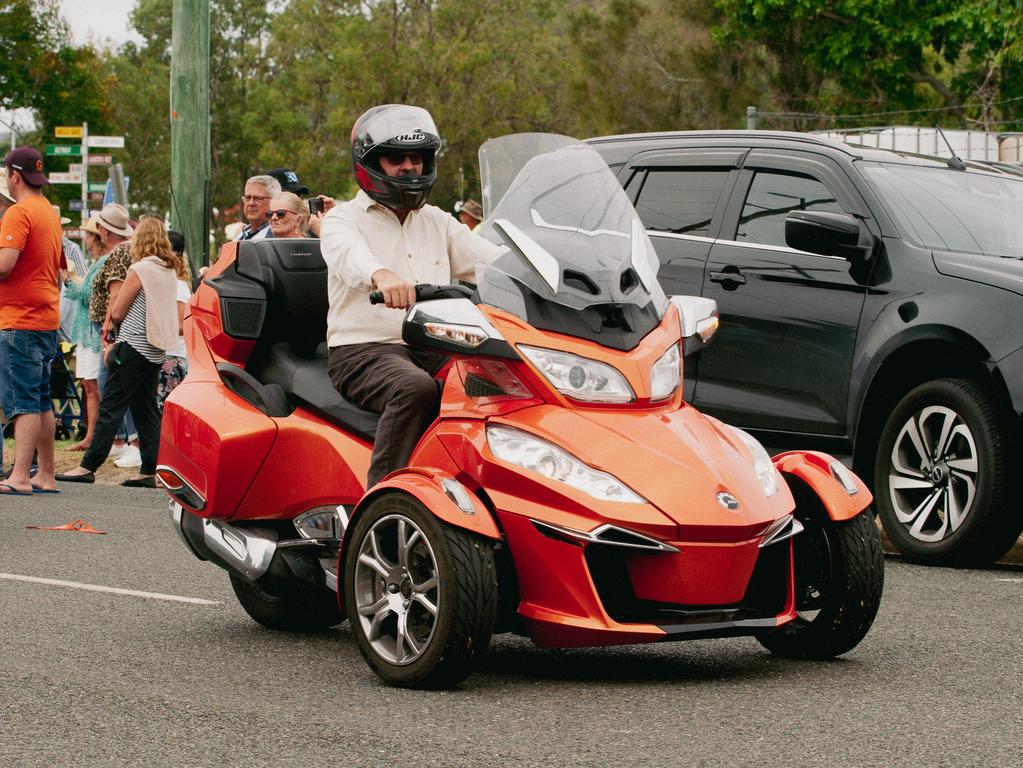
x,y
291,351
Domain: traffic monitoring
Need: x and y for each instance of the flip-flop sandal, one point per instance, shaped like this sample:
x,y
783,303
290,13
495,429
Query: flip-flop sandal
x,y
12,491
45,490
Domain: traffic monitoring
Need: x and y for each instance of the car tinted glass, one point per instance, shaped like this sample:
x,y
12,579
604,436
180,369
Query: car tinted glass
x,y
771,197
951,210
680,201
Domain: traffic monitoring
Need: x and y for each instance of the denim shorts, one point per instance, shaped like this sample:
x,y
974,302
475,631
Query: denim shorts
x,y
25,358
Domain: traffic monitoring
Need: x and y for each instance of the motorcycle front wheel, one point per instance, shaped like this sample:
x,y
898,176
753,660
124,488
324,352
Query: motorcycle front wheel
x,y
421,596
839,577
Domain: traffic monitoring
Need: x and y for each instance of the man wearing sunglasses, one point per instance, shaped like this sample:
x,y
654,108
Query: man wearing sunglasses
x,y
387,239
259,191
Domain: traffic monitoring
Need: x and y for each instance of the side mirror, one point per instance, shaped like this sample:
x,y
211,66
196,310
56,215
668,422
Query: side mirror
x,y
829,234
698,319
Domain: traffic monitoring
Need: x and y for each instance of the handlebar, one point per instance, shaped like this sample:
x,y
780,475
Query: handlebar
x,y
427,292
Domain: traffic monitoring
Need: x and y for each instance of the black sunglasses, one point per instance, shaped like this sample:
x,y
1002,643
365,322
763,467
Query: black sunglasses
x,y
278,214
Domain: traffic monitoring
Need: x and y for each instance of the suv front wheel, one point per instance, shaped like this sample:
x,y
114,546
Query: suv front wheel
x,y
943,475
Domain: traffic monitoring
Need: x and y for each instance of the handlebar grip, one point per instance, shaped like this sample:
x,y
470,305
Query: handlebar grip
x,y
376,297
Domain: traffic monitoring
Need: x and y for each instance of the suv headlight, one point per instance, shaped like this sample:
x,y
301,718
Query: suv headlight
x,y
762,464
666,375
579,377
532,453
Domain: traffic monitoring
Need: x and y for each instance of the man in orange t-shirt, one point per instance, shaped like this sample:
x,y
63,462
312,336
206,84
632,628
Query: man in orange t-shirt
x,y
30,255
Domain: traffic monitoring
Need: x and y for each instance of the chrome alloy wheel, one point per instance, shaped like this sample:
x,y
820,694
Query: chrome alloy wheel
x,y
397,589
933,477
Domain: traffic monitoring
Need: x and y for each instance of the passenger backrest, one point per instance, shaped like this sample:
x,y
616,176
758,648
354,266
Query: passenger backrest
x,y
295,278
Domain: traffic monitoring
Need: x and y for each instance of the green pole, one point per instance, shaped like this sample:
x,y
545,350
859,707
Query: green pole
x,y
190,126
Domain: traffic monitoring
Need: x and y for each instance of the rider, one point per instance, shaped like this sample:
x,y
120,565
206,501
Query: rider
x,y
387,239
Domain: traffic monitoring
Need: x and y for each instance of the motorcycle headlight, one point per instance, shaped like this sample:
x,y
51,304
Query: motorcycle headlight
x,y
532,453
666,375
579,377
762,464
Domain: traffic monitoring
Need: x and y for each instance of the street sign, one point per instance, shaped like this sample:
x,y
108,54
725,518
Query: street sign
x,y
73,234
96,197
65,178
113,142
97,186
101,159
64,150
76,205
76,168
68,131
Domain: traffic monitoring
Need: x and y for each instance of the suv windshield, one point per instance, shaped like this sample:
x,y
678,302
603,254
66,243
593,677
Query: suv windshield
x,y
952,210
579,260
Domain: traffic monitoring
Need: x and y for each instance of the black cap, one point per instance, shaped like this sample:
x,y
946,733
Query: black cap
x,y
289,181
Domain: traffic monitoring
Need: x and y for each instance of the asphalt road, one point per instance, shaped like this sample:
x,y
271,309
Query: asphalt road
x,y
101,679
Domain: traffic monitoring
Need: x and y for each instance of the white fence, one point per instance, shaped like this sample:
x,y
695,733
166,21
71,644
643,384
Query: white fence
x,y
969,145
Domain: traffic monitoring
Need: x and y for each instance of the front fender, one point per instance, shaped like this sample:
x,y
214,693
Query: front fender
x,y
814,469
425,484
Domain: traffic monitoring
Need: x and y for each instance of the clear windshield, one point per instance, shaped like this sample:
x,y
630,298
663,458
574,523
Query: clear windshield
x,y
951,210
573,237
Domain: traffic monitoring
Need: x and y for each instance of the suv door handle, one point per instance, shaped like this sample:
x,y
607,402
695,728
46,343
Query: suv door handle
x,y
730,278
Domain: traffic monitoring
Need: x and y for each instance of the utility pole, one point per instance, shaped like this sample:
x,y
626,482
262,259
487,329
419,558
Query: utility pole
x,y
190,126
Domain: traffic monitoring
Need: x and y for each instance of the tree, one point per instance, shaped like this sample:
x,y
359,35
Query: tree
x,y
884,54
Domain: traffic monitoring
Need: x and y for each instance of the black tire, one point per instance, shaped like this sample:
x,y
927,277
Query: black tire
x,y
839,580
464,595
963,513
298,610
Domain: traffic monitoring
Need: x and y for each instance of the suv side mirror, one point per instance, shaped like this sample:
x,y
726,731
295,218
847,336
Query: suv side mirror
x,y
829,234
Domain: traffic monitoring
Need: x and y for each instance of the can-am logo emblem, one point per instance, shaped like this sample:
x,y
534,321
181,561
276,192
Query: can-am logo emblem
x,y
727,500
410,138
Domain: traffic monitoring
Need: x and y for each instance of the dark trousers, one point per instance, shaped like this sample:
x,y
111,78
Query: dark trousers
x,y
131,384
397,382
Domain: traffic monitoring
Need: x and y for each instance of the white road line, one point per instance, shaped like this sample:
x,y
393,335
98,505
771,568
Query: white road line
x,y
1011,581
112,590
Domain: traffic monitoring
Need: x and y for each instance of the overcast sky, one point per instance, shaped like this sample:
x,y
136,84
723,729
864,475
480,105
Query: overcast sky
x,y
104,22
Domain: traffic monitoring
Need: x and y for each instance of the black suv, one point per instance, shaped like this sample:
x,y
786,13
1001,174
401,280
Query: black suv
x,y
871,306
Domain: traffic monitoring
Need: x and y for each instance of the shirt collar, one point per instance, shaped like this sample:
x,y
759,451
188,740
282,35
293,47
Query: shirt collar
x,y
365,202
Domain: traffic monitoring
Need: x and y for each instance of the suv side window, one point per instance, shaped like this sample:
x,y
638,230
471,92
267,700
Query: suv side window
x,y
680,201
771,196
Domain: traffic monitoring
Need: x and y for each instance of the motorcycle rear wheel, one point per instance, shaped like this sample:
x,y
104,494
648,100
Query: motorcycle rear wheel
x,y
298,610
421,595
839,580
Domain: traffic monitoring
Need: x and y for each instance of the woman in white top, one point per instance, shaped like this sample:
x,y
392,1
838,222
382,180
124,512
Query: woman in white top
x,y
175,367
148,324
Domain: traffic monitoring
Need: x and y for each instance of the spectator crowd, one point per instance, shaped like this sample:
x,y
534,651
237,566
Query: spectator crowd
x,y
116,311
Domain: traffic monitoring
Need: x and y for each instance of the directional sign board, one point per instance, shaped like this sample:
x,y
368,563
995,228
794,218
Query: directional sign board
x,y
112,142
73,234
96,197
76,205
101,159
98,187
64,150
68,131
65,178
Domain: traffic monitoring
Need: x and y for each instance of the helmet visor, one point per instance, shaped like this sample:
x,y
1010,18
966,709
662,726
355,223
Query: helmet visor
x,y
398,126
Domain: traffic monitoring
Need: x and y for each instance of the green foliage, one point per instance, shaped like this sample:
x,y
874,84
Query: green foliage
x,y
40,69
289,78
886,54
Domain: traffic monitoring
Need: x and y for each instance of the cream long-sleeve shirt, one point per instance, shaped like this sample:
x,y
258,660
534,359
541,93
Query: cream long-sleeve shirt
x,y
360,236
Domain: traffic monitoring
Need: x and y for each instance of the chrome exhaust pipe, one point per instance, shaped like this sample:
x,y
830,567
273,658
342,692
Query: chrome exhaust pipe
x,y
245,550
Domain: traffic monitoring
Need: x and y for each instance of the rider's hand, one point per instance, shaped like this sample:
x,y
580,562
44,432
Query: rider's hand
x,y
398,294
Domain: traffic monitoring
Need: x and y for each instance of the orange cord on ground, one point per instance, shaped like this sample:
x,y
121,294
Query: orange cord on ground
x,y
75,525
